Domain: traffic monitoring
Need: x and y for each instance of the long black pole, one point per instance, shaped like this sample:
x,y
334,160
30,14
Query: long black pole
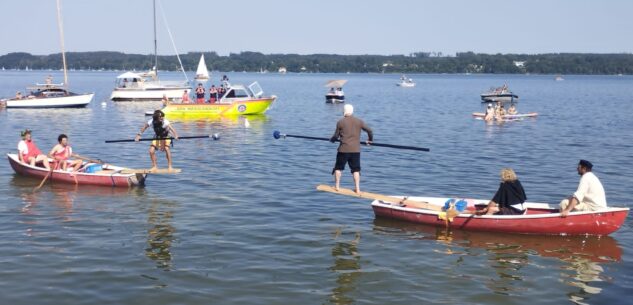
x,y
278,135
214,136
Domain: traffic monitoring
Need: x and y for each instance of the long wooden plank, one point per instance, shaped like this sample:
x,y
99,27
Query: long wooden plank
x,y
159,171
367,195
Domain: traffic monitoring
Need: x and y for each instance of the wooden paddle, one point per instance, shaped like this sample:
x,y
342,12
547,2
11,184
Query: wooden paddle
x,y
151,171
404,202
44,180
98,161
214,136
277,135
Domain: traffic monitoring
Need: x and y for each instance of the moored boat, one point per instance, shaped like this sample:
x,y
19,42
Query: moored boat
x,y
540,218
237,100
335,95
131,86
501,94
405,82
50,96
138,87
107,175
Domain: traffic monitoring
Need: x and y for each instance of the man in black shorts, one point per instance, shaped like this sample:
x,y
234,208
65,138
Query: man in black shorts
x,y
348,132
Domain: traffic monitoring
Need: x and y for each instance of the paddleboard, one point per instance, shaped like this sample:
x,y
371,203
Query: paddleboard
x,y
159,171
509,116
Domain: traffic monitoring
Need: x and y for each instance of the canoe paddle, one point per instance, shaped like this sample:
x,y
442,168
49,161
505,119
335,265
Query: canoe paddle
x,y
214,136
277,135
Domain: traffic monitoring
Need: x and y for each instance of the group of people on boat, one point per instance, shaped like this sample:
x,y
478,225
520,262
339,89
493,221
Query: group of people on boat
x,y
498,111
215,93
60,154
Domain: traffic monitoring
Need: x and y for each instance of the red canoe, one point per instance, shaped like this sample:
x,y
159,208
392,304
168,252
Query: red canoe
x,y
541,218
109,175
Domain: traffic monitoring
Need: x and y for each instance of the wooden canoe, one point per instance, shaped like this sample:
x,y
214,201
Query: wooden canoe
x,y
110,175
541,218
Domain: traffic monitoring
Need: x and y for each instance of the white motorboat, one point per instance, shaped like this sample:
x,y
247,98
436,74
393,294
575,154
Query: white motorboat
x,y
202,74
132,86
501,94
405,82
335,95
51,95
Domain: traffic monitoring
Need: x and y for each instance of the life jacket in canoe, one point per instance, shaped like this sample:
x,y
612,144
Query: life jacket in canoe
x,y
460,205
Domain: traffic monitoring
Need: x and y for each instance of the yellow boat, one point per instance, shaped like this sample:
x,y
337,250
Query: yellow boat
x,y
237,100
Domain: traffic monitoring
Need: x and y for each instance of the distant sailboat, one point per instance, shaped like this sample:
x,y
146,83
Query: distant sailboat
x,y
202,74
50,95
131,86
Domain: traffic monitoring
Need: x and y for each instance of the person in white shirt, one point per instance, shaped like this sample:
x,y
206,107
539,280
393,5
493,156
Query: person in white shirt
x,y
590,194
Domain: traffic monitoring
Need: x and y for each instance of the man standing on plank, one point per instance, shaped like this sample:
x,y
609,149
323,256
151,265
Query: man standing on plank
x,y
348,132
162,130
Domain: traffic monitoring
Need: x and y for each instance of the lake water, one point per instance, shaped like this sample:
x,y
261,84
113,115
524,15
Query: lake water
x,y
243,223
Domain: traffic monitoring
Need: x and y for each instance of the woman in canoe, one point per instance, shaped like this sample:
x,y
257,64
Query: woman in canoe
x,y
509,198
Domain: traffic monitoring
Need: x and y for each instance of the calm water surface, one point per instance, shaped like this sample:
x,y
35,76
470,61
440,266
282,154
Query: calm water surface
x,y
243,223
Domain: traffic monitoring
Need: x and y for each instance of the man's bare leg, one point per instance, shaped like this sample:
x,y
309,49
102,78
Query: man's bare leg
x,y
168,155
152,156
44,160
337,179
356,182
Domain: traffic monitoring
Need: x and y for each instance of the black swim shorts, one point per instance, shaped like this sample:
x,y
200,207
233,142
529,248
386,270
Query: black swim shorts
x,y
353,159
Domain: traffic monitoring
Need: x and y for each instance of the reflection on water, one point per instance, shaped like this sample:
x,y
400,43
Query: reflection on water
x,y
61,195
160,233
509,254
346,266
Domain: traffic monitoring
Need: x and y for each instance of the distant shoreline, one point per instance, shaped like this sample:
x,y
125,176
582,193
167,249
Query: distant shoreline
x,y
420,62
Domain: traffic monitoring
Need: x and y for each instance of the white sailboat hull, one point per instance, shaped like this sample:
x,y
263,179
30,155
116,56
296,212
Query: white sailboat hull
x,y
76,101
147,94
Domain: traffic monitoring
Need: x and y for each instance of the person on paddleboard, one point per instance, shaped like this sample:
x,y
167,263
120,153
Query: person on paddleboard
x,y
348,133
162,140
28,151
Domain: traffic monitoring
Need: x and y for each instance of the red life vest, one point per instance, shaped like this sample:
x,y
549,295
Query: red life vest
x,y
32,151
63,154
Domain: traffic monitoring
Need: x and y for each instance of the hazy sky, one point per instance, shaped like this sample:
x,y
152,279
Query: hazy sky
x,y
323,26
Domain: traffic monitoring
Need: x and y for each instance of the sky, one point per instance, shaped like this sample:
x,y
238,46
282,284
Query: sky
x,y
321,27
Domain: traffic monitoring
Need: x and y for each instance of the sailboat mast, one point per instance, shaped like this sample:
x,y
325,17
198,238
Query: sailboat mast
x,y
155,43
61,38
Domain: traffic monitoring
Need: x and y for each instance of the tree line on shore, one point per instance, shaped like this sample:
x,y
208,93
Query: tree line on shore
x,y
419,62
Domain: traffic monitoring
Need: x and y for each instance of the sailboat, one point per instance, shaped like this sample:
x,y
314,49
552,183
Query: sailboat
x,y
132,86
202,74
50,95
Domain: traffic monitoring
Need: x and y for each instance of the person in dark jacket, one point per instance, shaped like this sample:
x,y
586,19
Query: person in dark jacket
x,y
509,198
348,132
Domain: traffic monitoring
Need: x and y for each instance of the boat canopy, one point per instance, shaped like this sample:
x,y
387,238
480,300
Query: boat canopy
x,y
335,83
129,75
